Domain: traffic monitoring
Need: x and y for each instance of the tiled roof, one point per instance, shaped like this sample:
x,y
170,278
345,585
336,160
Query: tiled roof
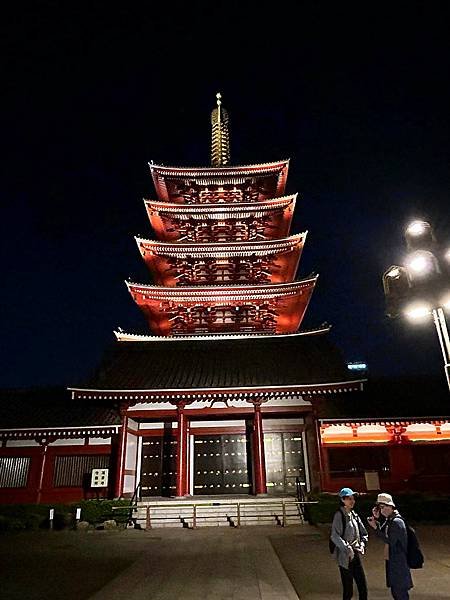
x,y
51,407
221,363
390,398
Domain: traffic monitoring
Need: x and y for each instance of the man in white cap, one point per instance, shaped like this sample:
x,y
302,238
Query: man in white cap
x,y
393,533
350,538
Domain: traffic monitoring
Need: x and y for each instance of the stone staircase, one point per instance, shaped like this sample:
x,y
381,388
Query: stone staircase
x,y
234,512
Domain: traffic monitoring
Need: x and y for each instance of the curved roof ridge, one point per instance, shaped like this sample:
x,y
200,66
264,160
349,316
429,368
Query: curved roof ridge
x,y
219,170
122,336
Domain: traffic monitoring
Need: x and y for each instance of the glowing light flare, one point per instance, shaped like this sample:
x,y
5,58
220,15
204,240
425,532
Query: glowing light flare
x,y
417,228
419,311
447,255
445,303
420,263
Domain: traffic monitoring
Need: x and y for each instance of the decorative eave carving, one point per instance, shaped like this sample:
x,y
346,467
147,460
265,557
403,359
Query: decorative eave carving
x,y
221,293
267,168
221,211
220,250
208,394
275,308
219,176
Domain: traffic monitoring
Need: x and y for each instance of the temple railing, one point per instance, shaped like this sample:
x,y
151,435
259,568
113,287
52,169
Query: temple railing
x,y
236,514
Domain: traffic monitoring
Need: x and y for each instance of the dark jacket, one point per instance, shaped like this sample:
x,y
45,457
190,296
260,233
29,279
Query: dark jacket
x,y
393,532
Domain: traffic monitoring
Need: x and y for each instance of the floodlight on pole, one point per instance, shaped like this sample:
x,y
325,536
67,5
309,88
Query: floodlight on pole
x,y
421,288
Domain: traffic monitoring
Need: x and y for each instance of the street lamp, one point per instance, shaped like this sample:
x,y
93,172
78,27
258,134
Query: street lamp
x,y
420,288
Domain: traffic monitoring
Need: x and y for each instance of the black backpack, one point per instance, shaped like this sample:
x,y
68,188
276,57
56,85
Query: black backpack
x,y
414,556
331,544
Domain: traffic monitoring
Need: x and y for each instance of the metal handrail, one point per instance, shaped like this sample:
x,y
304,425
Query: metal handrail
x,y
282,504
133,502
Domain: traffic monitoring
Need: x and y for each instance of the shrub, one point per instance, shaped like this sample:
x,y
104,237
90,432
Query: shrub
x,y
16,517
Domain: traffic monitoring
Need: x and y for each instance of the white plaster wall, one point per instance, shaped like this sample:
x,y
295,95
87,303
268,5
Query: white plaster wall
x,y
129,483
131,453
74,442
21,443
230,423
98,441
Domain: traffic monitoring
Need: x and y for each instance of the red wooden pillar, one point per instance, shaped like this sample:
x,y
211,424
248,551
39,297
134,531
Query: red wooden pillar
x,y
182,488
259,460
121,452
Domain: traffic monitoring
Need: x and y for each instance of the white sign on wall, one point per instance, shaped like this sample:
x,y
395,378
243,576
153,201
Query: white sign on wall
x,y
99,478
372,480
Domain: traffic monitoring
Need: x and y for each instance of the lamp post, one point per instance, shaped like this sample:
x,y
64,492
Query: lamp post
x,y
420,288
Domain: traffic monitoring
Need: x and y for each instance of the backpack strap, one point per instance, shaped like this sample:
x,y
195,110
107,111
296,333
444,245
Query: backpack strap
x,y
344,522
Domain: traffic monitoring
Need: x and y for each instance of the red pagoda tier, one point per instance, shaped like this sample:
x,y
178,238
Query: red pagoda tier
x,y
218,222
252,183
259,308
268,261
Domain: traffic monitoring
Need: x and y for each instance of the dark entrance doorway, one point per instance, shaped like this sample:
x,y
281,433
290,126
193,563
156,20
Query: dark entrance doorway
x,y
284,462
158,465
220,465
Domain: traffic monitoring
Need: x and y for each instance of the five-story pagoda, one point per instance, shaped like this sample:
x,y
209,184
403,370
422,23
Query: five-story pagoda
x,y
216,399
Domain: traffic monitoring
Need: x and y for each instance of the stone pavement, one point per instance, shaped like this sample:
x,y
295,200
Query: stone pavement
x,y
212,563
315,576
265,563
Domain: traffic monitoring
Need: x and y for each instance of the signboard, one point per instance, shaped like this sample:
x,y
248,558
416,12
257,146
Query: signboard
x,y
372,480
99,478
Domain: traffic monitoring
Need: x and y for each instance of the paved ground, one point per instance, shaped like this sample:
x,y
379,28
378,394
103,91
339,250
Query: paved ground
x,y
314,574
266,563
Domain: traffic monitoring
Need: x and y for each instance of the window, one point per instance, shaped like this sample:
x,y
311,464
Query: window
x,y
14,471
75,470
353,462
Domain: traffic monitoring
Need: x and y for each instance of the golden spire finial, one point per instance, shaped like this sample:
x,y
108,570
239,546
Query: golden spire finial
x,y
220,145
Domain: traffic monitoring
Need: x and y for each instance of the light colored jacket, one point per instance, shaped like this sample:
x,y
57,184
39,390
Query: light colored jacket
x,y
343,539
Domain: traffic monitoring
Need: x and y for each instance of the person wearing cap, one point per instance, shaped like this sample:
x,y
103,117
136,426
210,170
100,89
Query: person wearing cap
x,y
392,531
350,538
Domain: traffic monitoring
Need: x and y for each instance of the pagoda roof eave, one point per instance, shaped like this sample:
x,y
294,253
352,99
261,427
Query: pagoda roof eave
x,y
222,208
259,247
213,292
257,168
122,336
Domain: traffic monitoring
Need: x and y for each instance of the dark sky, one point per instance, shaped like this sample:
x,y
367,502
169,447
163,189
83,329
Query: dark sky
x,y
359,101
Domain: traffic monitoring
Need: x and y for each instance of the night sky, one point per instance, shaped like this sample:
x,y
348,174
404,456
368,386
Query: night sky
x,y
359,101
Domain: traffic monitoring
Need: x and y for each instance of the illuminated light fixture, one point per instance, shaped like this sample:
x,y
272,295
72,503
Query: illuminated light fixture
x,y
394,272
447,255
420,262
357,366
418,311
417,228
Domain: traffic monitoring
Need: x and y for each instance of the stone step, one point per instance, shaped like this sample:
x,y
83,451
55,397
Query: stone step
x,y
218,513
